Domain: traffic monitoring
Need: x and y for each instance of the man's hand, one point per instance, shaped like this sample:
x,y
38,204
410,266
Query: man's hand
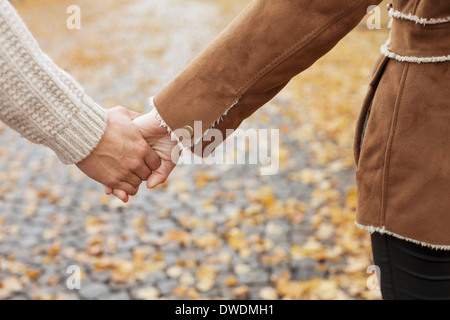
x,y
122,159
160,141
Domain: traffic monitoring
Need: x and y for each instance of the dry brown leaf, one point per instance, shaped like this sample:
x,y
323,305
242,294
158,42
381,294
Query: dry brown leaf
x,y
179,236
208,240
174,271
180,291
268,293
231,281
205,285
241,292
12,284
193,294
149,293
55,248
203,178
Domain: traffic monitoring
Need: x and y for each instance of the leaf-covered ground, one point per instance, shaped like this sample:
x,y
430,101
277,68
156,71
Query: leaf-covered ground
x,y
212,232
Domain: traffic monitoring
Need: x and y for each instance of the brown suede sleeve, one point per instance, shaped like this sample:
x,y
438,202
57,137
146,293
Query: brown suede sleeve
x,y
270,42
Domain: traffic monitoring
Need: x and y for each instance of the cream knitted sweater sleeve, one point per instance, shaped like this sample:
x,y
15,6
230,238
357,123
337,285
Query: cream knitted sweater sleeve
x,y
39,100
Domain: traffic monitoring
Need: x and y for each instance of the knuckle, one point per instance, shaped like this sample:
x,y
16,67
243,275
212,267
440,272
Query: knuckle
x,y
118,110
135,164
115,109
137,183
142,148
123,175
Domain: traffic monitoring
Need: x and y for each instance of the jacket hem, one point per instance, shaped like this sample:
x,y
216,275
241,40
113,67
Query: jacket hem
x,y
383,230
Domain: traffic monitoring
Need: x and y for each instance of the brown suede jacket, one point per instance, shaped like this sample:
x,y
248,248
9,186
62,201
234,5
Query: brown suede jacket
x,y
403,166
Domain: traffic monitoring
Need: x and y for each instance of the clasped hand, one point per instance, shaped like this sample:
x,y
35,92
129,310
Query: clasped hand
x,y
133,149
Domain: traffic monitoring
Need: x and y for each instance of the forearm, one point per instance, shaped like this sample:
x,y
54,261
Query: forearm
x,y
39,100
253,59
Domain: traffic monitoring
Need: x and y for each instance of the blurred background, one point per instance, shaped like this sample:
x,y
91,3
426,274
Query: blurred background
x,y
210,232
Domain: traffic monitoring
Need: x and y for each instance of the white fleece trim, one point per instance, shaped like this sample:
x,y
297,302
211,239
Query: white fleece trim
x,y
383,230
385,50
215,123
422,21
164,124
175,137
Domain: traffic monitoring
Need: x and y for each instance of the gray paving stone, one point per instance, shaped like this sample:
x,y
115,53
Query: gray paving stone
x,y
19,297
171,258
305,269
93,290
121,295
155,277
162,225
29,241
101,277
166,287
129,244
170,246
257,276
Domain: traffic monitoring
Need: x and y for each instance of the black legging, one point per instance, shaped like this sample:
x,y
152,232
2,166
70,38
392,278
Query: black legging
x,y
411,271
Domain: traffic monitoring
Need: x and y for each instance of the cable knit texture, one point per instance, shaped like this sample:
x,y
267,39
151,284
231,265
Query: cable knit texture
x,y
41,101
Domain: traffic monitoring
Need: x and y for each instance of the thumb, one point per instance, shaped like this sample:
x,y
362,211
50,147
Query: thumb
x,y
161,174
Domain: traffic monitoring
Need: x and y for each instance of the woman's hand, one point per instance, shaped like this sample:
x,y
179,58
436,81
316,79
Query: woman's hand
x,y
162,144
122,159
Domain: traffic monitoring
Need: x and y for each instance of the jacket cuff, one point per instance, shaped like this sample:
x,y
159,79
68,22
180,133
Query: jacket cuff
x,y
188,137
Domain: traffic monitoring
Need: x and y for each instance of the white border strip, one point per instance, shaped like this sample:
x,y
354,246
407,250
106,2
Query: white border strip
x,y
383,230
172,133
422,21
